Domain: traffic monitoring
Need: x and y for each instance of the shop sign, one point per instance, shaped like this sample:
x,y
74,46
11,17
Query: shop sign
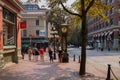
x,y
42,32
23,25
31,35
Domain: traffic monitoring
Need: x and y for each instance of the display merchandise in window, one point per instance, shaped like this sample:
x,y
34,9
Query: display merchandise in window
x,y
8,34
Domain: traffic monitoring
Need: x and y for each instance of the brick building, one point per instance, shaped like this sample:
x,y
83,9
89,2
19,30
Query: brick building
x,y
106,34
10,32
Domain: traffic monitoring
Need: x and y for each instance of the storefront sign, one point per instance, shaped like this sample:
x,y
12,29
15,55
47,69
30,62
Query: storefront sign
x,y
42,32
31,35
23,25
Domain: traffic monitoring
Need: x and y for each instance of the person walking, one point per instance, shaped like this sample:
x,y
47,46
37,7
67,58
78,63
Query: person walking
x,y
36,54
29,53
60,54
41,51
50,55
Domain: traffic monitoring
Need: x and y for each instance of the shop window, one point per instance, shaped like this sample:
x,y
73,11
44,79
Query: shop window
x,y
8,16
9,34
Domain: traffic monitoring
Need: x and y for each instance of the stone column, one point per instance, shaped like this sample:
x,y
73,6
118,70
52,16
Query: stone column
x,y
17,54
116,40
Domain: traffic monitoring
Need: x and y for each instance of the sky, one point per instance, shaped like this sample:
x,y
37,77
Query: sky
x,y
44,3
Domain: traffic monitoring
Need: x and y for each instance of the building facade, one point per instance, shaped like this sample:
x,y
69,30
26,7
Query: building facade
x,y
106,34
10,32
36,19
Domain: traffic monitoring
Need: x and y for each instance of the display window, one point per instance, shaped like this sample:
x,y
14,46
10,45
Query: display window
x,y
9,37
9,28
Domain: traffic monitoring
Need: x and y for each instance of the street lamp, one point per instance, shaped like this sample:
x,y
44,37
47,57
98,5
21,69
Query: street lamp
x,y
30,36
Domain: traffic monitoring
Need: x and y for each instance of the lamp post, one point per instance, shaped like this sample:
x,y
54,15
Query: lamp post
x,y
30,36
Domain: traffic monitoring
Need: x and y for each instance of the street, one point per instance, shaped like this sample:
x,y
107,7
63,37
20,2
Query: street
x,y
100,59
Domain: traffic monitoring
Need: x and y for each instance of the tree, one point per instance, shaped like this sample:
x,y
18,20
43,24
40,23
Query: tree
x,y
36,1
83,9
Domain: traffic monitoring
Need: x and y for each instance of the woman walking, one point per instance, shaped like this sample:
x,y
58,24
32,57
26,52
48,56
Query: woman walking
x,y
41,51
29,53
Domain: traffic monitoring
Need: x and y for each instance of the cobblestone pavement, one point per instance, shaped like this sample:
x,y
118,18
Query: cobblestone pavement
x,y
31,70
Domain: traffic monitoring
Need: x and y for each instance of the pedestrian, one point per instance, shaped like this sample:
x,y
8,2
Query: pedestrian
x,y
23,52
50,55
34,49
41,51
29,53
36,54
60,54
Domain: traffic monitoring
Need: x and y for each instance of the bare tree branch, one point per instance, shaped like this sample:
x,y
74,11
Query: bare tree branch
x,y
90,5
70,11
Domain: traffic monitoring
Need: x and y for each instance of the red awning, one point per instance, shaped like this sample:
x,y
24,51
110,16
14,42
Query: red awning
x,y
23,25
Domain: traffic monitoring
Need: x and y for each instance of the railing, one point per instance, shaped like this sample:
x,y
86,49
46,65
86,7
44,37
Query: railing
x,y
110,71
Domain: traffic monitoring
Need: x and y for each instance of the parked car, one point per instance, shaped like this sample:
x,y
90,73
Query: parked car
x,y
88,47
70,46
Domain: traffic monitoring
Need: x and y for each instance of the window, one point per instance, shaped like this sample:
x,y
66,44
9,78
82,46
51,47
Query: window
x,y
119,21
37,32
112,10
111,21
37,22
9,16
107,23
99,26
111,1
31,7
9,31
24,33
119,8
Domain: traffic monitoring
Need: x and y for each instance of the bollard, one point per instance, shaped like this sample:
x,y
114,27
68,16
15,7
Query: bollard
x,y
79,60
108,72
74,57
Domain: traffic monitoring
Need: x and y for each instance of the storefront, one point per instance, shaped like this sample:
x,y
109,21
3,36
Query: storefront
x,y
10,32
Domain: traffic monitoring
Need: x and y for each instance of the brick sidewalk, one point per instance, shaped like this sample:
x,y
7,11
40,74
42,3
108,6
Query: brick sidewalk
x,y
30,70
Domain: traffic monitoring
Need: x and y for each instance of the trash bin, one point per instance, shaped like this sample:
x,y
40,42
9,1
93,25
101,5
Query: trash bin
x,y
101,49
65,57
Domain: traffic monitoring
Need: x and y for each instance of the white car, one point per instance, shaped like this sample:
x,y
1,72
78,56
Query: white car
x,y
89,47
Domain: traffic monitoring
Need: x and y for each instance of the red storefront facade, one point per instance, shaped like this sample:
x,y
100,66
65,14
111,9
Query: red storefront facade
x,y
10,32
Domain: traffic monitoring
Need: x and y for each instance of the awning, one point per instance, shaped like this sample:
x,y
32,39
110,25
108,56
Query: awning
x,y
110,32
99,35
102,33
107,33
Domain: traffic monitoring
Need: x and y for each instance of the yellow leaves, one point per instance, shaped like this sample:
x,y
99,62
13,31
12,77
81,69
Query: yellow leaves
x,y
99,9
75,20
